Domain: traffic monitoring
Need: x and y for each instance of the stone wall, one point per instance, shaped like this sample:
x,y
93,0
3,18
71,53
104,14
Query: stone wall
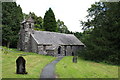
x,y
70,50
62,50
33,45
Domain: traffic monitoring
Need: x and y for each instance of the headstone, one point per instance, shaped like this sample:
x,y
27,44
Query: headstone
x,y
74,59
20,65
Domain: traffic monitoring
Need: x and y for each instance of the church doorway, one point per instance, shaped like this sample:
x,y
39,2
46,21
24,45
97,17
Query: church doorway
x,y
59,50
65,50
72,53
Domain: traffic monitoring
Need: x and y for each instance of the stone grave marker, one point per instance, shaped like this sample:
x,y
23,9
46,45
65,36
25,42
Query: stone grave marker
x,y
20,65
74,59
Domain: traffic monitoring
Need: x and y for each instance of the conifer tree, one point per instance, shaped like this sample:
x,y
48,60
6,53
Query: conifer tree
x,y
49,23
11,18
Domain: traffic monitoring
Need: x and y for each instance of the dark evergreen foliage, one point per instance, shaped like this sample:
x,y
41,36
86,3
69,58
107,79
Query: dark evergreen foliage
x,y
11,18
62,28
49,22
38,21
102,44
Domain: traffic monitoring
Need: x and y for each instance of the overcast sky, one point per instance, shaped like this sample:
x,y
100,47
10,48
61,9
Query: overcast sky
x,y
69,11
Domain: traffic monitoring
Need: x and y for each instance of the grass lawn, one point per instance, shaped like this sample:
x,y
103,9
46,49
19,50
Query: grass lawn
x,y
34,64
84,69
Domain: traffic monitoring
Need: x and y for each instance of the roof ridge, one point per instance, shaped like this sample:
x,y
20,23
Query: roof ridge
x,y
54,32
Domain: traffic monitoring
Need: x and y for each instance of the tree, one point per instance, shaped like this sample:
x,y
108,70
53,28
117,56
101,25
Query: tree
x,y
62,28
103,41
78,35
11,18
49,23
38,21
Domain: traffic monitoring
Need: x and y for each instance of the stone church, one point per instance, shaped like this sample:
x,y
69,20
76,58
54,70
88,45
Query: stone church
x,y
44,42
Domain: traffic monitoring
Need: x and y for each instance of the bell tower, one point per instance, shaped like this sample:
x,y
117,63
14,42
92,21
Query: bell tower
x,y
27,28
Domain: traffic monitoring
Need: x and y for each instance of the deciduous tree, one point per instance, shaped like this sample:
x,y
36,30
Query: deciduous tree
x,y
103,41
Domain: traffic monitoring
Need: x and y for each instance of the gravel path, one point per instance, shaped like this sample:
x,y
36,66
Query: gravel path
x,y
49,70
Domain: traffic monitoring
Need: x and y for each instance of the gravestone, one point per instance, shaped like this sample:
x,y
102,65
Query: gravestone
x,y
20,65
74,59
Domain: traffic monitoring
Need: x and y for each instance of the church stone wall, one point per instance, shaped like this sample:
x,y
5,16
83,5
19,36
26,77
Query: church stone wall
x,y
28,43
71,50
33,45
62,50
68,49
75,49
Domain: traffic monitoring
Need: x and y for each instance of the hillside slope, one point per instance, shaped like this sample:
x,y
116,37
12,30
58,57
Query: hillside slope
x,y
34,63
85,69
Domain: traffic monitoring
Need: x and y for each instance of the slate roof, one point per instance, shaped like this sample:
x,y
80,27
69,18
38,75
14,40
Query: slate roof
x,y
45,37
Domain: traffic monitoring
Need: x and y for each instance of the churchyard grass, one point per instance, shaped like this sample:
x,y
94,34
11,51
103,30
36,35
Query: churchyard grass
x,y
85,69
34,63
